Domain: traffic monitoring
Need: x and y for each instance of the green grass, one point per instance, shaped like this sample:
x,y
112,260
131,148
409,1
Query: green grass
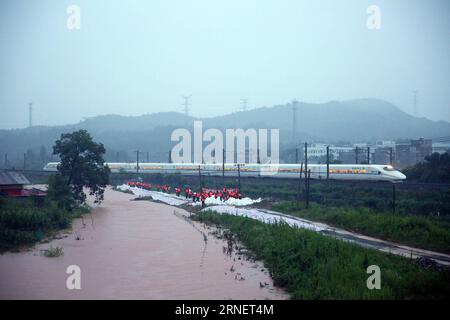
x,y
424,232
24,223
53,252
312,266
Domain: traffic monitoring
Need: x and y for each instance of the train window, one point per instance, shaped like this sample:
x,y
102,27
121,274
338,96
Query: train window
x,y
388,168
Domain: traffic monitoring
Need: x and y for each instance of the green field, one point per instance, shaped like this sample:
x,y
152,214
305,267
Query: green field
x,y
431,233
312,266
25,222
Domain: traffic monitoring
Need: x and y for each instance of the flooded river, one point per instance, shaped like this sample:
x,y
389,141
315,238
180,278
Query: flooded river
x,y
135,250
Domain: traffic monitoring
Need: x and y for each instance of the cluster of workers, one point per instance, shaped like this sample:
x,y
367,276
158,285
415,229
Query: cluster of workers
x,y
147,186
223,194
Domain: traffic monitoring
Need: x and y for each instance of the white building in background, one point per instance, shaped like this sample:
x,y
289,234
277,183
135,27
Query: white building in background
x,y
317,152
441,147
385,144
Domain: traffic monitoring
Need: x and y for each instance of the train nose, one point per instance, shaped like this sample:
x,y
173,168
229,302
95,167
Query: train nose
x,y
400,176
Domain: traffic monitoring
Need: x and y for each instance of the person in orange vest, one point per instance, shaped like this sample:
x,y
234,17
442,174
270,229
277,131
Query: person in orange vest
x,y
204,196
177,191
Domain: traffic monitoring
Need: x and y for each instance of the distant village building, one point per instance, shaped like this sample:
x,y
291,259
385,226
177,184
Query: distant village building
x,y
400,154
12,184
384,152
412,152
385,144
441,147
382,155
347,156
317,152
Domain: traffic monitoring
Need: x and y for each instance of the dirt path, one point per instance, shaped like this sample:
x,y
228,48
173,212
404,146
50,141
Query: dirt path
x,y
135,250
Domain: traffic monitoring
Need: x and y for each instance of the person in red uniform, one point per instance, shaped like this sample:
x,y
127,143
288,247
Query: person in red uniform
x,y
204,196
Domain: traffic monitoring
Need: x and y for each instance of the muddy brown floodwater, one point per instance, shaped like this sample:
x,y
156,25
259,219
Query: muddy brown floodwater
x,y
135,250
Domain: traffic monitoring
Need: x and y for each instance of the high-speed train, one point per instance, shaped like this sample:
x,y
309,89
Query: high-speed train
x,y
374,172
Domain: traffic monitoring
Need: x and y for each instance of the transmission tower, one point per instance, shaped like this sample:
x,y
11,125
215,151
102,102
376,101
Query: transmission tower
x,y
415,102
30,114
186,104
244,105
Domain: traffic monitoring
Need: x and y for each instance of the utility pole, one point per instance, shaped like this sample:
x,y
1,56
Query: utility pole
x,y
307,188
393,198
299,185
391,157
30,114
6,160
328,162
368,155
137,162
24,161
356,155
258,159
200,177
296,155
223,166
170,156
148,157
294,120
306,165
239,177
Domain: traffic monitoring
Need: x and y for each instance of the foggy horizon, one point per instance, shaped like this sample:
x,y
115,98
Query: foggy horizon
x,y
142,58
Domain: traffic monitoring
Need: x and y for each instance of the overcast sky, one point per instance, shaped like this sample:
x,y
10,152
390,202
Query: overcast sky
x,y
136,57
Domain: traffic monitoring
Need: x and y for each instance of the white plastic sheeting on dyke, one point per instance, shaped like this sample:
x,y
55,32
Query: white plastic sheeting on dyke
x,y
174,200
212,201
170,199
266,217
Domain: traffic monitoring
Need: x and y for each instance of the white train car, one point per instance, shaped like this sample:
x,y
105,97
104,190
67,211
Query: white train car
x,y
364,172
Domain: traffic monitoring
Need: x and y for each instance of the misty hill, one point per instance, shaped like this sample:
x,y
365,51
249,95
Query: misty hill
x,y
354,120
137,123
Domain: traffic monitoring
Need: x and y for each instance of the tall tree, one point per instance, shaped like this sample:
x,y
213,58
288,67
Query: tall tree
x,y
82,164
434,168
